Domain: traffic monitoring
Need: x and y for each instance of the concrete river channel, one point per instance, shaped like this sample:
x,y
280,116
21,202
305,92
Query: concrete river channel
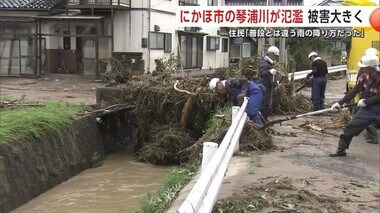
x,y
116,186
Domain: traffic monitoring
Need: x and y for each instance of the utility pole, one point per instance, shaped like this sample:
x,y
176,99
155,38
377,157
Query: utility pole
x,y
283,53
264,43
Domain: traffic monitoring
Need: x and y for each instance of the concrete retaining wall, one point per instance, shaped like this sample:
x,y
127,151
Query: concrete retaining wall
x,y
48,161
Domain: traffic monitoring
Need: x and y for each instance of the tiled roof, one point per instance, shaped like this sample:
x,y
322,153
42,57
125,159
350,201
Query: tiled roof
x,y
29,4
262,2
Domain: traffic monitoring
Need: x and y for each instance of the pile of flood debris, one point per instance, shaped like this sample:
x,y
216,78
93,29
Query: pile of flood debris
x,y
169,118
285,101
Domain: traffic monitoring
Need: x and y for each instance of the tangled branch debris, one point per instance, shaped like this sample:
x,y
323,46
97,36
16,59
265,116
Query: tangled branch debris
x,y
182,109
158,103
286,102
252,139
164,145
342,118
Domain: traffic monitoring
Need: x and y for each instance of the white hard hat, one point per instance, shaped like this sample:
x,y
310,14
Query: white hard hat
x,y
369,61
213,83
274,50
312,54
371,51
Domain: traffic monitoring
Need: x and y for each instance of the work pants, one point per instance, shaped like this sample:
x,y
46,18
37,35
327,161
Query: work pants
x,y
365,117
318,92
265,107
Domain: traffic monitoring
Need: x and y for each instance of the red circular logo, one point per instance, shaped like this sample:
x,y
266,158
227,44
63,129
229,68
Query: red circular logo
x,y
374,19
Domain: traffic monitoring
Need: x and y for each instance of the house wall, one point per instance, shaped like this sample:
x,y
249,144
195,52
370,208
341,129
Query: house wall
x,y
16,33
166,26
162,14
130,27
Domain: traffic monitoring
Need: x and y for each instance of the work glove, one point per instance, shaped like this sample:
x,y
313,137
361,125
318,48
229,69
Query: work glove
x,y
336,107
273,71
361,103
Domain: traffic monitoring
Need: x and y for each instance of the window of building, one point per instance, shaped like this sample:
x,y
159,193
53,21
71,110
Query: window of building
x,y
212,43
212,2
224,45
188,2
160,41
168,42
191,51
156,40
86,30
246,50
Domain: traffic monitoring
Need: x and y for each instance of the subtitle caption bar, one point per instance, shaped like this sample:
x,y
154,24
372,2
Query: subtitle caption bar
x,y
299,33
274,16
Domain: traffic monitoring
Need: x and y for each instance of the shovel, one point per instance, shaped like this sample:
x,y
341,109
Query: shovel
x,y
303,115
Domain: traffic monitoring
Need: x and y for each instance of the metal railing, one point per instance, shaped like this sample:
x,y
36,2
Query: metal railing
x,y
205,191
302,74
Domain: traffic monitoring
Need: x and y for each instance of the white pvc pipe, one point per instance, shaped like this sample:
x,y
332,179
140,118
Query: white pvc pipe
x,y
235,110
209,149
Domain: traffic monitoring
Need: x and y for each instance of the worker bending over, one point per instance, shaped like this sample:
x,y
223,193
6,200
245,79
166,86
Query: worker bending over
x,y
238,89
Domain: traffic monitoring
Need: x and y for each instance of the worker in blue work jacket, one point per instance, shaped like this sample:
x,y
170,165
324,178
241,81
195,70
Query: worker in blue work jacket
x,y
319,72
237,89
267,75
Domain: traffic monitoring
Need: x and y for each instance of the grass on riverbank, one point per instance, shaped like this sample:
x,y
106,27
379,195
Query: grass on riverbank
x,y
178,177
17,125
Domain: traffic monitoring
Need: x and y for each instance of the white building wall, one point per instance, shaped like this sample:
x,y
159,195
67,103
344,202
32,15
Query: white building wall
x,y
121,31
165,22
139,3
214,58
131,28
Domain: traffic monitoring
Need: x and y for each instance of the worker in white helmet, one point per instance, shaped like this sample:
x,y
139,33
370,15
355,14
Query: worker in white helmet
x,y
319,72
238,89
371,136
266,77
369,112
370,51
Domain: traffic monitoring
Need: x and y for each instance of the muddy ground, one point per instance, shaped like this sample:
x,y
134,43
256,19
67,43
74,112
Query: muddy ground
x,y
300,176
61,88
296,175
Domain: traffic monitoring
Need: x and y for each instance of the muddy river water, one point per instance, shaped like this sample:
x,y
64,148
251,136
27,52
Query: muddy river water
x,y
116,186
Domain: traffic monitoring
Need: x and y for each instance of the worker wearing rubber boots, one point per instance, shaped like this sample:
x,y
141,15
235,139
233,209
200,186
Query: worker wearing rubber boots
x,y
267,77
319,71
371,136
369,112
240,88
